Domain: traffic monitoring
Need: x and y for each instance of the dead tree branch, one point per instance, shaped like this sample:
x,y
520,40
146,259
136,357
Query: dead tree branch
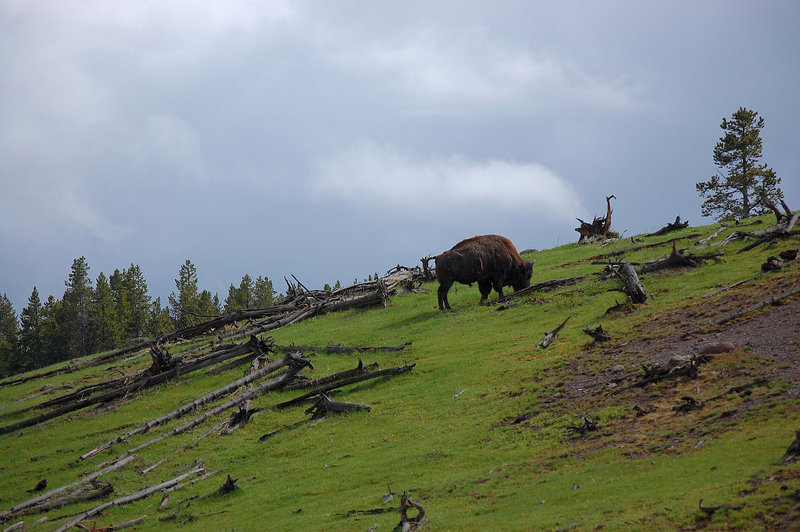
x,y
552,335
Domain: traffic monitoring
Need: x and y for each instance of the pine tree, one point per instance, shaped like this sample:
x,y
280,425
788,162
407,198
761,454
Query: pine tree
x,y
159,322
31,348
747,186
240,297
76,300
54,334
9,333
184,303
103,324
263,293
138,301
121,303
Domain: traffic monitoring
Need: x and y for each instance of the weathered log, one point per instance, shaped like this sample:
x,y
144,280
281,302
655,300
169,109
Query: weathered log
x,y
711,510
630,249
23,506
141,494
360,369
295,365
95,491
338,348
677,259
324,389
656,373
674,226
771,301
325,406
546,285
631,284
552,335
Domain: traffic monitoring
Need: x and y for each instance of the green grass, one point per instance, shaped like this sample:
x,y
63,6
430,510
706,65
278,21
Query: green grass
x,y
443,432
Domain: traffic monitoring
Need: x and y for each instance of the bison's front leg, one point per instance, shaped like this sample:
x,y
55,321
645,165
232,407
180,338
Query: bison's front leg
x,y
444,287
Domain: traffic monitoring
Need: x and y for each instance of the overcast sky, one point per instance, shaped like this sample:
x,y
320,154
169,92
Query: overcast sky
x,y
335,139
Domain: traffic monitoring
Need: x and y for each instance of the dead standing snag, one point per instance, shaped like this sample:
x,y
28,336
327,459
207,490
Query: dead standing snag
x,y
599,228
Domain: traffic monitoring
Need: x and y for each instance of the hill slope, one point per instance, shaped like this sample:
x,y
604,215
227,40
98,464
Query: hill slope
x,y
485,432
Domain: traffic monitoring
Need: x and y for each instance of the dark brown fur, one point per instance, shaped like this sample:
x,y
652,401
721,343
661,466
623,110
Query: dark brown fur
x,y
492,261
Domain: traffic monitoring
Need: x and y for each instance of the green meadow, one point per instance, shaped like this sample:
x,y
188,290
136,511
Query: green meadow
x,y
478,432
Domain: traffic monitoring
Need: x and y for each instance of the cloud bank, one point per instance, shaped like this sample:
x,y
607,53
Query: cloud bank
x,y
384,177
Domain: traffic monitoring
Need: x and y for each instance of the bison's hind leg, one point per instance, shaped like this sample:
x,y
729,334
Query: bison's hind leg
x,y
485,288
444,287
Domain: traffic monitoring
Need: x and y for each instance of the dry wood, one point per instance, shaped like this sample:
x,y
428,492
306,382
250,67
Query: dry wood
x,y
793,450
734,285
598,334
325,405
45,496
141,494
677,259
546,285
338,348
711,510
410,524
632,286
588,426
740,313
360,369
630,249
84,494
228,486
552,335
373,375
674,226
712,236
598,228
267,386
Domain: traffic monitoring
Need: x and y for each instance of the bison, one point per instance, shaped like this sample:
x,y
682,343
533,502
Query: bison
x,y
490,260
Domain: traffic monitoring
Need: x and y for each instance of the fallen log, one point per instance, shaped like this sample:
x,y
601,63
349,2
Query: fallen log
x,y
657,373
631,284
630,249
674,226
324,389
295,365
338,348
325,405
677,259
93,492
552,335
127,499
725,319
546,285
360,369
23,506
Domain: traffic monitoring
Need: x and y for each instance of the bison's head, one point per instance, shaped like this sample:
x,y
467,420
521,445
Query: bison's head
x,y
522,275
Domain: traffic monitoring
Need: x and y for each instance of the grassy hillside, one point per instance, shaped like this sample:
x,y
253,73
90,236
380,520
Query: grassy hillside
x,y
478,432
